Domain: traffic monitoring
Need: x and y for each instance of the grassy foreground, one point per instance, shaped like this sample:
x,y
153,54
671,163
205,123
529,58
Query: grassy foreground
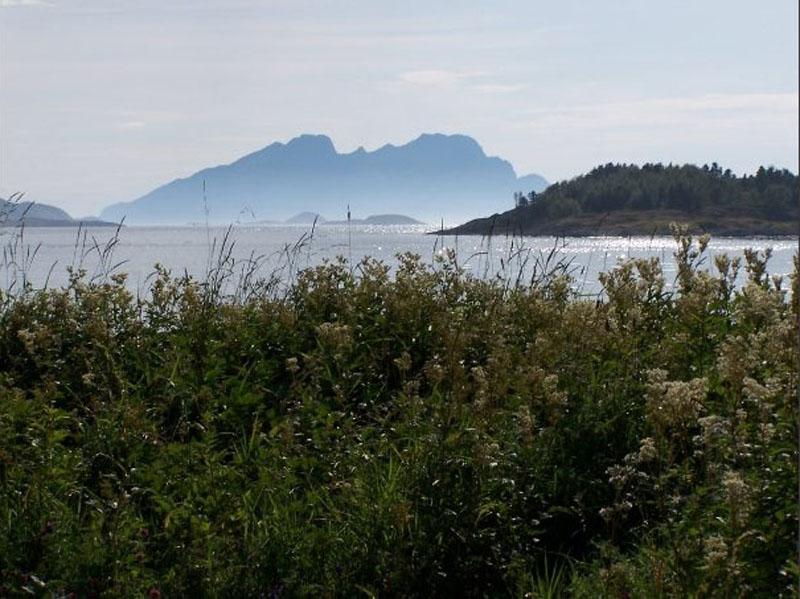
x,y
419,433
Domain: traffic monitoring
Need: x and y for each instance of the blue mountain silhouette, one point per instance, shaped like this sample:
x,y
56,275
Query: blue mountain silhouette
x,y
434,176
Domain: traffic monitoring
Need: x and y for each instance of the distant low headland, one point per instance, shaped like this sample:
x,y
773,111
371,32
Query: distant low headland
x,y
308,218
623,199
15,212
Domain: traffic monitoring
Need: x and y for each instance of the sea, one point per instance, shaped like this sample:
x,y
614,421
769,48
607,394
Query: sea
x,y
44,256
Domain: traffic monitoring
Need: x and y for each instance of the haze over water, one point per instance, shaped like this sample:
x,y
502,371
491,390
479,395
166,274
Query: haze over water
x,y
51,250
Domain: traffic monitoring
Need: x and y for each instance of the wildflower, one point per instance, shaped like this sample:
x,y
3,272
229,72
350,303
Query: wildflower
x,y
767,430
716,552
647,450
403,363
526,424
713,427
620,508
754,391
736,489
732,361
435,372
555,398
292,365
674,403
334,335
481,387
618,475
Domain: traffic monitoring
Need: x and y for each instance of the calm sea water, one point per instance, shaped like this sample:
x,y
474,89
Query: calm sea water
x,y
43,254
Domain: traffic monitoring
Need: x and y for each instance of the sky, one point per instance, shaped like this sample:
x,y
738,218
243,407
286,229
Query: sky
x,y
101,101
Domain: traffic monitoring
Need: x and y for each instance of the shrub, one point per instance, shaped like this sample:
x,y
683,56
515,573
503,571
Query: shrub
x,y
412,433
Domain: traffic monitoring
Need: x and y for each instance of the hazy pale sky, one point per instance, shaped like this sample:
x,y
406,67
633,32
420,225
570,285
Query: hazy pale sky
x,y
101,101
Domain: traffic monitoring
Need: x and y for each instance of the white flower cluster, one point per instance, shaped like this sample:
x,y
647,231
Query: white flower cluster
x,y
674,403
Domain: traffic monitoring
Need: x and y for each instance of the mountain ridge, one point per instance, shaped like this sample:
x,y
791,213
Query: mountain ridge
x,y
433,176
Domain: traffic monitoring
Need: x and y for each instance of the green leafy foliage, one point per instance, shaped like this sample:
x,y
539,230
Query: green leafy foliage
x,y
413,433
770,193
625,199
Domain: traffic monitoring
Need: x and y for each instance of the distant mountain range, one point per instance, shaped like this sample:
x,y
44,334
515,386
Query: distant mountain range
x,y
432,177
14,213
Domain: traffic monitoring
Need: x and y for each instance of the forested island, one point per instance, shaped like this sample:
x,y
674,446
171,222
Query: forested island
x,y
627,199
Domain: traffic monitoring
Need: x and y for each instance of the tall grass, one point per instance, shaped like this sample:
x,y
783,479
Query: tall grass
x,y
418,432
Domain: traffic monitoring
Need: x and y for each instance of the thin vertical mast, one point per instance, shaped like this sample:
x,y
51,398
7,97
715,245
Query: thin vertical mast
x,y
349,240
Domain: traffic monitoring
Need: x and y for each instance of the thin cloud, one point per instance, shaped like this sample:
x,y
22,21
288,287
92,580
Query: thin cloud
x,y
497,88
432,77
17,3
676,111
471,81
131,125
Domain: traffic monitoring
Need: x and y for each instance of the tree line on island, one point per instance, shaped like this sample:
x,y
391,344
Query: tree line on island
x,y
632,199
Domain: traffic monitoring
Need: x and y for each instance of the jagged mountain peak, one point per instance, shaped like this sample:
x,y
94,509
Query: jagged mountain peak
x,y
431,176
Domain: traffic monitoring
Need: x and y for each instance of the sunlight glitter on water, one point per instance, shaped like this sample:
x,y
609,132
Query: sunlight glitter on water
x,y
192,249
